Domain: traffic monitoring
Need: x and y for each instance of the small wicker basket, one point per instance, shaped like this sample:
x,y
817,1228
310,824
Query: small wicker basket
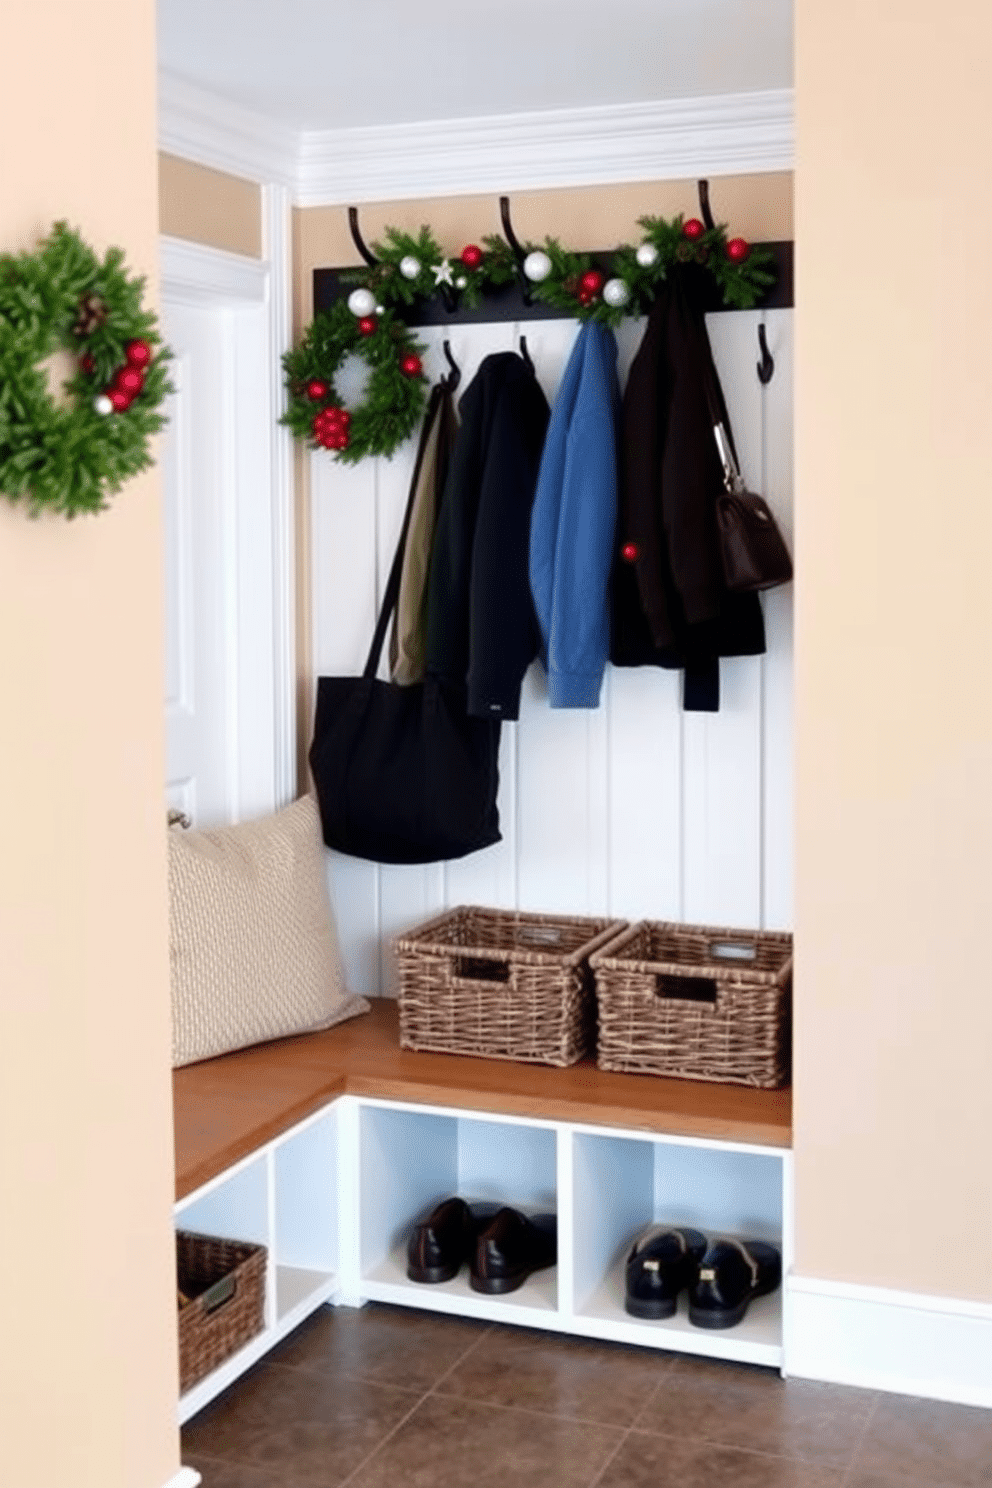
x,y
221,1285
696,1002
501,984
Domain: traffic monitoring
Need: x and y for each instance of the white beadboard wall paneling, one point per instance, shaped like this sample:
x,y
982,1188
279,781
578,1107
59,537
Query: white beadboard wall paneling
x,y
777,757
343,523
635,808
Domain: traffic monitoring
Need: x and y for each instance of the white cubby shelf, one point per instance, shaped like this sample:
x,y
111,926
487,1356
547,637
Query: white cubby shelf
x,y
335,1196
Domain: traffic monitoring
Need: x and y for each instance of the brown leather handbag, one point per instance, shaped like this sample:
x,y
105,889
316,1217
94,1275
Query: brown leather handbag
x,y
752,549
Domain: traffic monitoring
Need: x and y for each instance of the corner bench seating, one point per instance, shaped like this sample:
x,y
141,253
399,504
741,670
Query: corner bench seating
x,y
398,1128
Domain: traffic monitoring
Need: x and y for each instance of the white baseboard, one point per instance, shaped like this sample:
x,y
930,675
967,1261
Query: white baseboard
x,y
937,1347
186,1477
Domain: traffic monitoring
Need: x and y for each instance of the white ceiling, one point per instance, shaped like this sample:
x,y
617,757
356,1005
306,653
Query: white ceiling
x,y
332,64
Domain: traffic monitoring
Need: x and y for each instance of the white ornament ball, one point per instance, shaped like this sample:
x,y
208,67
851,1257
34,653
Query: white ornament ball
x,y
409,266
380,309
647,255
361,302
103,405
616,293
537,266
461,282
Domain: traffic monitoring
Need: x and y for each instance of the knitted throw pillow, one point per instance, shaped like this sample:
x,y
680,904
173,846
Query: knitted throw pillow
x,y
253,950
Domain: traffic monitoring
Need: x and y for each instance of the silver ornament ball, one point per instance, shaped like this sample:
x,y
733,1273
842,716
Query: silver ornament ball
x,y
647,255
537,266
409,266
361,302
616,293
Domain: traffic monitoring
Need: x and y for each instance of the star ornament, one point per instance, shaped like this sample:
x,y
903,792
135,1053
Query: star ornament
x,y
443,273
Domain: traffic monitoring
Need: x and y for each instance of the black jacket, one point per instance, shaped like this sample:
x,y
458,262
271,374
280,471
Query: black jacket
x,y
481,627
671,607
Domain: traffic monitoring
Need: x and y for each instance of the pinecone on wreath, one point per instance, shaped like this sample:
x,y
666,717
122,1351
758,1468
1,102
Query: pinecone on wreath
x,y
91,314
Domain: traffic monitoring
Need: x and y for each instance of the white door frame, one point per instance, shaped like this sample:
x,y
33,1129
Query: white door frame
x,y
252,297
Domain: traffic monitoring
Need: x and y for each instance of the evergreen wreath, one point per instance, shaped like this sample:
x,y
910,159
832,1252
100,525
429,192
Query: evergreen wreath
x,y
66,456
396,394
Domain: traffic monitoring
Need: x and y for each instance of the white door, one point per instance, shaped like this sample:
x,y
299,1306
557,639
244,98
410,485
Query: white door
x,y
199,680
230,733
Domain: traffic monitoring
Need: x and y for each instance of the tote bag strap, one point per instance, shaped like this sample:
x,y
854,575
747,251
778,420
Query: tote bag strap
x,y
440,393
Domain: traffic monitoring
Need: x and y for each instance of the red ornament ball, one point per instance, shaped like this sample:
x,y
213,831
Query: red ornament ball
x,y
471,256
367,325
87,364
411,365
591,281
586,297
119,399
738,250
693,229
130,381
316,390
138,353
630,552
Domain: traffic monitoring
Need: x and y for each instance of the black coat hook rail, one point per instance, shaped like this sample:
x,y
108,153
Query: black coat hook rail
x,y
509,303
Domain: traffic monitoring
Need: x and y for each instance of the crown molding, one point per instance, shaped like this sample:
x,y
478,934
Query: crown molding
x,y
731,134
201,126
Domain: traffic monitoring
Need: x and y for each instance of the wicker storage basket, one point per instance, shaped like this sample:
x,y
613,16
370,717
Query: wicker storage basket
x,y
224,1282
501,984
696,1002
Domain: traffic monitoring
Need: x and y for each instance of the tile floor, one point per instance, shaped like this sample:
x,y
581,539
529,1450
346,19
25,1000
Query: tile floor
x,y
388,1396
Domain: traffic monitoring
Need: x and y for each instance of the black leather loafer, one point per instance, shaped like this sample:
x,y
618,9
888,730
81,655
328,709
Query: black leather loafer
x,y
510,1247
440,1243
662,1261
731,1274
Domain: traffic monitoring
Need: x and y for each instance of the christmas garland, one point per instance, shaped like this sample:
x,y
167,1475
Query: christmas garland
x,y
66,456
396,393
411,266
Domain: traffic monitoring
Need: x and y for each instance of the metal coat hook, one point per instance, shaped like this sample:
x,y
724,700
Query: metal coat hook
x,y
358,240
766,367
454,377
704,204
514,242
526,354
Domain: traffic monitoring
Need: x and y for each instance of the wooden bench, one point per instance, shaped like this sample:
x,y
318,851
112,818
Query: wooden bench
x,y
326,1146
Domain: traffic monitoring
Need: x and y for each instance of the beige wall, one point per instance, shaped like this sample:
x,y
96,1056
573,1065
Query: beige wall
x,y
208,206
88,1374
894,615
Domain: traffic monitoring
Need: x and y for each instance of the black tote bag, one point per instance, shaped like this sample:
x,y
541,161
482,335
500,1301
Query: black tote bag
x,y
402,773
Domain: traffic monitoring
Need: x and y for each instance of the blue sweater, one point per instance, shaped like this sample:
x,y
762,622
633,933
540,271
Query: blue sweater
x,y
573,522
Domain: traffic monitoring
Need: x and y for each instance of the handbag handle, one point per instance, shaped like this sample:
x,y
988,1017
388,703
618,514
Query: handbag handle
x,y
440,394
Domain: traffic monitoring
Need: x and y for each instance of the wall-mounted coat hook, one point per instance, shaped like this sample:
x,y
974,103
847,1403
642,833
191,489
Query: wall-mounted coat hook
x,y
357,238
526,354
704,204
766,367
454,377
514,242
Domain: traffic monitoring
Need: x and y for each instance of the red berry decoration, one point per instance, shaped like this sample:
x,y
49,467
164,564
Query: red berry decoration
x,y
738,250
586,296
367,325
87,364
592,282
630,552
316,390
693,229
471,256
119,399
412,366
138,353
129,381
